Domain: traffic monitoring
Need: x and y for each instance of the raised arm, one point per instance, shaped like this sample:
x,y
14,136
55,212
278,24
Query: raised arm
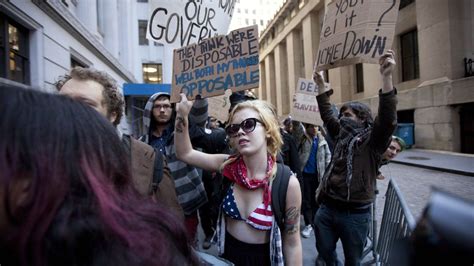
x,y
386,120
387,65
325,110
182,142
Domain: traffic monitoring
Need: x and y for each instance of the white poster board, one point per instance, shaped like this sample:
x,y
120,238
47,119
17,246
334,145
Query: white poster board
x,y
307,86
178,23
305,109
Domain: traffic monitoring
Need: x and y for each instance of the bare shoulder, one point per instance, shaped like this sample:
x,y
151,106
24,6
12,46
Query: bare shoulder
x,y
294,185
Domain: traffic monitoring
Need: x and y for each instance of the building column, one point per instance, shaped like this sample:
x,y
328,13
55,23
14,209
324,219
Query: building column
x,y
311,33
263,85
293,48
127,44
87,14
110,23
281,80
440,48
269,78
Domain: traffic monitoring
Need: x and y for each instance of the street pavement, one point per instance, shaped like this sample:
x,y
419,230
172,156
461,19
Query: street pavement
x,y
451,162
451,172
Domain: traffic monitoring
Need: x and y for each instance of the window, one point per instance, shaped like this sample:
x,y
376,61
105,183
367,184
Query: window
x,y
152,73
142,40
247,21
404,3
238,10
261,22
76,63
246,11
409,54
359,78
254,22
254,12
142,1
14,51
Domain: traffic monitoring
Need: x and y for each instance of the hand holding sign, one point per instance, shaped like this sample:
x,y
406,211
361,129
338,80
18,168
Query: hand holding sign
x,y
387,63
319,80
184,106
356,31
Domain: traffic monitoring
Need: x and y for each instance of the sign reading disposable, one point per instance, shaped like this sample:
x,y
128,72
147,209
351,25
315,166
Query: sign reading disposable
x,y
305,109
217,64
307,86
356,31
182,22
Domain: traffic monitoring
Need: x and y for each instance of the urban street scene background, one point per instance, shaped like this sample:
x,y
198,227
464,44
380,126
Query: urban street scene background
x,y
229,51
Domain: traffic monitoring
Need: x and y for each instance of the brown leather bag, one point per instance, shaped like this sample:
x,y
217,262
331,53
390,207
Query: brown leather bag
x,y
152,176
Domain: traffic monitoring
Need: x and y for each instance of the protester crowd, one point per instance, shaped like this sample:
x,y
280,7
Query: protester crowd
x,y
74,190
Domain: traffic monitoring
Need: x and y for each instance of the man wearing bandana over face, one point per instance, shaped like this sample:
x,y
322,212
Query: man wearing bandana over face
x,y
347,188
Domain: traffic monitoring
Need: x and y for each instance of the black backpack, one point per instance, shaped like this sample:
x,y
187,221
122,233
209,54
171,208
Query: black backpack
x,y
279,189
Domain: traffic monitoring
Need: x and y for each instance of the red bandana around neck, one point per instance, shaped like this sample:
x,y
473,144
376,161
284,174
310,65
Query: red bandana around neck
x,y
237,172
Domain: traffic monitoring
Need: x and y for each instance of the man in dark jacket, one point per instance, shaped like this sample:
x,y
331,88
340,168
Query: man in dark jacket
x,y
348,186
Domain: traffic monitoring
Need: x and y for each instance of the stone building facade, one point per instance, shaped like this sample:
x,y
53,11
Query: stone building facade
x,y
434,46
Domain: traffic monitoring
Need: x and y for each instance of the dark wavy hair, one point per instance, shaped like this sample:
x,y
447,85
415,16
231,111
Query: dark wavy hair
x,y
80,207
361,110
113,99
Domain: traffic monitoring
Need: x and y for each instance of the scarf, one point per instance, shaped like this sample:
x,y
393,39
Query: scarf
x,y
351,132
236,171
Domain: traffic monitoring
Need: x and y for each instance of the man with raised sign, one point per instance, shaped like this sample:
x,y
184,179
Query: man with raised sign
x,y
348,186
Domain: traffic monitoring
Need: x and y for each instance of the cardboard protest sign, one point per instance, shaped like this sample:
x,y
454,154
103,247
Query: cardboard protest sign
x,y
356,31
217,64
307,86
219,106
305,109
178,23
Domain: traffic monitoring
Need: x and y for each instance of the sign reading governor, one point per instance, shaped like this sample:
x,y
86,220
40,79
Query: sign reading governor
x,y
217,64
356,31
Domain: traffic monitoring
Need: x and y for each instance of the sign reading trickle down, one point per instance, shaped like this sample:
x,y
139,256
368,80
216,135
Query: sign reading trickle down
x,y
356,31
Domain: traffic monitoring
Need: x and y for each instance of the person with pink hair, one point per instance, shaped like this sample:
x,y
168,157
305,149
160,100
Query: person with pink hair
x,y
66,193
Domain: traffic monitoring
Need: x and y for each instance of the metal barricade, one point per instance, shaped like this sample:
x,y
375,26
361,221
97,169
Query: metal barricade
x,y
397,223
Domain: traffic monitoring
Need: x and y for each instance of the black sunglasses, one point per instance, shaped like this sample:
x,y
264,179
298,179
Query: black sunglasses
x,y
248,125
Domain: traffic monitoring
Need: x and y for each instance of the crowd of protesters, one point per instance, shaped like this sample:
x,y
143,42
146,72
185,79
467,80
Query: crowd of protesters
x,y
74,190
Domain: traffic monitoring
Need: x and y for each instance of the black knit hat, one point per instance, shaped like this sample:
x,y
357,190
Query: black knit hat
x,y
238,97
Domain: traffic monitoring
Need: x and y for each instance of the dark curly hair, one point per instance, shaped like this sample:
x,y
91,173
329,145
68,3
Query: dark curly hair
x,y
113,99
361,110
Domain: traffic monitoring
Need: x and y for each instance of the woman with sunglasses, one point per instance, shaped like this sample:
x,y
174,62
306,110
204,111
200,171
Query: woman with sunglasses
x,y
247,232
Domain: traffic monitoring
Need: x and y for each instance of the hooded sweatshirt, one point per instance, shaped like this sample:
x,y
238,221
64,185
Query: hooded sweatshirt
x,y
187,178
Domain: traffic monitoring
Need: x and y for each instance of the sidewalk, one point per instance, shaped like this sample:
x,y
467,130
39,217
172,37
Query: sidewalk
x,y
451,162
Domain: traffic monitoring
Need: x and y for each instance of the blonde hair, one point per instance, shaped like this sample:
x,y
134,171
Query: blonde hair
x,y
267,115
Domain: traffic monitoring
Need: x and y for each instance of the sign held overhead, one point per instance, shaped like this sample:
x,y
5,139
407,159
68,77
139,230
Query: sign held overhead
x,y
217,64
179,23
356,31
